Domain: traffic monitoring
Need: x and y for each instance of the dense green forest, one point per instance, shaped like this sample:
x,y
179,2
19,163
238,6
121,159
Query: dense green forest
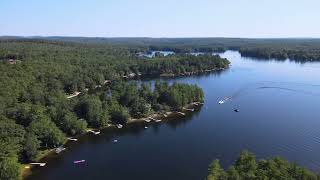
x,y
247,167
298,49
297,54
37,76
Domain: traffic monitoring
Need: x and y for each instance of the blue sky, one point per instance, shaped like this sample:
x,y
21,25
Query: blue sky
x,y
161,18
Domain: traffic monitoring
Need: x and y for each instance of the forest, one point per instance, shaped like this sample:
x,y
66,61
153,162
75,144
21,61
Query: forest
x,y
297,54
37,76
247,167
297,49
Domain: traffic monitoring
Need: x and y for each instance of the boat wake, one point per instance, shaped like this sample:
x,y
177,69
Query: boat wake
x,y
265,85
224,100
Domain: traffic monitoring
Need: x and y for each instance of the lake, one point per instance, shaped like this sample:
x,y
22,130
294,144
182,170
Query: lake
x,y
279,114
152,54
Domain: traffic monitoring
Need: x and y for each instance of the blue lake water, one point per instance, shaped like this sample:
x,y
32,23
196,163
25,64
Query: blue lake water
x,y
279,115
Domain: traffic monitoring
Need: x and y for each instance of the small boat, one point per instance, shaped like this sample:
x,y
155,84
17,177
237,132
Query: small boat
x,y
158,120
236,110
60,149
146,127
115,141
183,114
147,120
119,126
79,161
224,100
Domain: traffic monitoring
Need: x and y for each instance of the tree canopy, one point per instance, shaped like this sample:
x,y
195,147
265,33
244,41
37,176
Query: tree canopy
x,y
247,167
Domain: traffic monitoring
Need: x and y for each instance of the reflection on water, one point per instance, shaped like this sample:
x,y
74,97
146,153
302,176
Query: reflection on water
x,y
279,115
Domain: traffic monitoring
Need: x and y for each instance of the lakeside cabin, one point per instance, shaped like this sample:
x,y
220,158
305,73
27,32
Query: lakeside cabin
x,y
97,86
75,94
13,61
106,82
155,120
130,75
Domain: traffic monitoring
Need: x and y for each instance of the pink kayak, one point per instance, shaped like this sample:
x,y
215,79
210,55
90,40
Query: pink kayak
x,y
80,161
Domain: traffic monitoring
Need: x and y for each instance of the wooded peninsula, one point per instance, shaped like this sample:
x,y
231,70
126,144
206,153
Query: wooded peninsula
x,y
51,90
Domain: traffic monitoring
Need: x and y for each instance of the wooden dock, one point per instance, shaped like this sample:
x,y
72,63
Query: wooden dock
x,y
183,114
72,139
94,132
38,164
119,126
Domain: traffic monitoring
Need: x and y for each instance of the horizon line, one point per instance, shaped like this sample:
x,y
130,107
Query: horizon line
x,y
155,37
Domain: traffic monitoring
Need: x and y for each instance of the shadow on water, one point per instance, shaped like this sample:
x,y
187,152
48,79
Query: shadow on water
x,y
178,122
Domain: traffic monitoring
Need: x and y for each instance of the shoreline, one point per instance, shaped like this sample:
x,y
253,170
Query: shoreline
x,y
145,76
27,169
193,72
162,116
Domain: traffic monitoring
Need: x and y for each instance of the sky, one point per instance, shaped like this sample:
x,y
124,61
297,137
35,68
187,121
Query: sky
x,y
161,18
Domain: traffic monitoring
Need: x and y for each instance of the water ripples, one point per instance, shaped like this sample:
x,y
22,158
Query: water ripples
x,y
283,86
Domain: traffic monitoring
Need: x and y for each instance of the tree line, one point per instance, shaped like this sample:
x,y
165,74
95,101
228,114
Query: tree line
x,y
297,49
301,55
247,167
